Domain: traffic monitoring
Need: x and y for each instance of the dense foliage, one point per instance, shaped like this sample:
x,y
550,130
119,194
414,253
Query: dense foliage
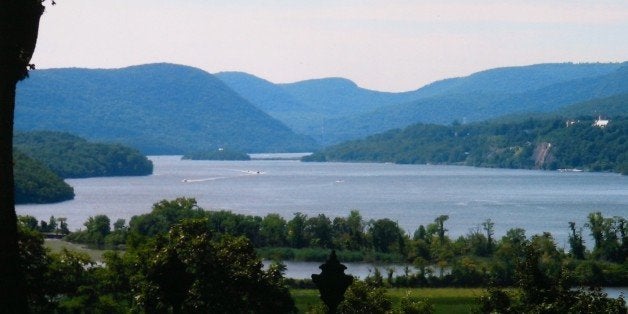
x,y
471,260
70,156
181,258
219,154
541,290
188,269
157,108
557,143
34,183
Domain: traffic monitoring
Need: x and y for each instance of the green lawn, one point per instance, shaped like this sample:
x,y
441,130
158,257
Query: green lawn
x,y
56,245
445,300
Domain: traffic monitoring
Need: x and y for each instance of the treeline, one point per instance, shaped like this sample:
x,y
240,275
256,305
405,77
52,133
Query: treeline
x,y
180,258
474,259
557,143
186,270
70,156
219,154
35,183
53,225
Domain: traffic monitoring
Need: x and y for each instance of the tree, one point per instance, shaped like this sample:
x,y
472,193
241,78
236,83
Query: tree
x,y
596,224
98,227
296,231
355,226
576,242
545,292
191,270
488,226
19,27
440,224
273,230
387,237
319,231
364,298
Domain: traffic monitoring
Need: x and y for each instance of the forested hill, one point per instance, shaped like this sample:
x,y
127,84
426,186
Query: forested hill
x,y
336,109
157,108
272,99
483,103
70,156
34,183
531,144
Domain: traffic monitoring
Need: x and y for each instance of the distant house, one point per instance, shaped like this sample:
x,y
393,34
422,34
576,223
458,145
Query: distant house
x,y
600,122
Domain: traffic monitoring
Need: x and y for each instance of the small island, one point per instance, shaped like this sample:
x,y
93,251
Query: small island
x,y
218,154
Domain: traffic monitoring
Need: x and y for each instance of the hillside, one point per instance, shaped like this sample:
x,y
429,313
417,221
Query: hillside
x,y
69,156
339,97
481,104
34,183
335,109
272,99
157,108
529,144
616,105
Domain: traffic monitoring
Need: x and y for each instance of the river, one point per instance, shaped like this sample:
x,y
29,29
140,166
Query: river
x,y
537,201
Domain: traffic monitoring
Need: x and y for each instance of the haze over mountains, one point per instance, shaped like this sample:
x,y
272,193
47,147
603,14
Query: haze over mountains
x,y
344,111
157,108
174,109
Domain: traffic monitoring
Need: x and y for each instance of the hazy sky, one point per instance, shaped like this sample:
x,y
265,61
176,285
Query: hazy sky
x,y
390,45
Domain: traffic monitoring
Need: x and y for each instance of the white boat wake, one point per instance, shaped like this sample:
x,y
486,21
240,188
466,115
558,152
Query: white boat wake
x,y
245,173
202,180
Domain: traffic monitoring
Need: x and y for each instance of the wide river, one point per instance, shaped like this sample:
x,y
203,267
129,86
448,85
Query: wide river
x,y
409,194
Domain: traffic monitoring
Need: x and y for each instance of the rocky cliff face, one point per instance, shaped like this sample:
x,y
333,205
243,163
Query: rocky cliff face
x,y
542,155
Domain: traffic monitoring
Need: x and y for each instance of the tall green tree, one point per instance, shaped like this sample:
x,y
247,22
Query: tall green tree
x,y
296,231
191,270
273,230
19,27
387,236
440,225
576,242
489,228
319,231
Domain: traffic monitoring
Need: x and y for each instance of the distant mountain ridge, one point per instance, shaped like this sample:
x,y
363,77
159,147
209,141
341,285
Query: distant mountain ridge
x,y
174,109
337,109
157,108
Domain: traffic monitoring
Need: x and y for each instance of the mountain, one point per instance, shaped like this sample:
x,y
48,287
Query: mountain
x,y
339,97
157,108
616,105
335,109
272,99
468,105
517,79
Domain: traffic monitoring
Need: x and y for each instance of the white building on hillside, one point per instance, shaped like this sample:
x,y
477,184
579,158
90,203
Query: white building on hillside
x,y
600,122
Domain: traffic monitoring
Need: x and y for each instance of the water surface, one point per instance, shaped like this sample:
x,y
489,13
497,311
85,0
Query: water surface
x,y
409,194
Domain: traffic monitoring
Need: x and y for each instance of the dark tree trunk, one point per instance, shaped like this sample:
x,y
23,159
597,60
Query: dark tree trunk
x,y
19,25
12,294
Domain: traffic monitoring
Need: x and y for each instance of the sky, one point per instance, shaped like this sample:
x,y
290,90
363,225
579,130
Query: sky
x,y
387,45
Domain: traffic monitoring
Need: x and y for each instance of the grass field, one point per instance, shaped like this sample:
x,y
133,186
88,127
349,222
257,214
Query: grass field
x,y
445,300
56,245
